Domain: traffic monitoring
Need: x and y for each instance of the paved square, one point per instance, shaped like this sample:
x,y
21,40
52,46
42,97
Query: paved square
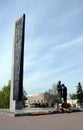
x,y
67,121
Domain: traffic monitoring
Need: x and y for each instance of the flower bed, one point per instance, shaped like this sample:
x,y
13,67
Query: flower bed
x,y
38,113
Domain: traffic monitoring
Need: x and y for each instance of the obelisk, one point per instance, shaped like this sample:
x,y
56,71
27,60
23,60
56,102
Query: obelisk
x,y
16,90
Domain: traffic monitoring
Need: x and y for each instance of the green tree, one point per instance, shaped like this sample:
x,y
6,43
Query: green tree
x,y
24,98
79,93
5,96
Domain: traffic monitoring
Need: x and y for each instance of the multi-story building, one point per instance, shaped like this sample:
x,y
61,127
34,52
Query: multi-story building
x,y
36,98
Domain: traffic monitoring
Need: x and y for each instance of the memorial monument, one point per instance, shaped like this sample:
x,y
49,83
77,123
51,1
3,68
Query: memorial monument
x,y
16,89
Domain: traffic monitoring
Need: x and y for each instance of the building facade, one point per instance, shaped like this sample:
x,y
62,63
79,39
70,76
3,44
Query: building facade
x,y
36,98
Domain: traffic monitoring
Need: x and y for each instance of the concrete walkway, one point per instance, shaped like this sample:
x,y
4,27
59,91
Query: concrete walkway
x,y
67,121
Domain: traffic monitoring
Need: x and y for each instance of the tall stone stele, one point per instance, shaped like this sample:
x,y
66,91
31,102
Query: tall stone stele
x,y
16,89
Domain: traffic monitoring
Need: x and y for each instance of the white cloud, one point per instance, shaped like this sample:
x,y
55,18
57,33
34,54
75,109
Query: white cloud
x,y
73,43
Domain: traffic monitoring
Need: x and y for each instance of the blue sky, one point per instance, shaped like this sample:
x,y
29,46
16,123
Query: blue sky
x,y
53,42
